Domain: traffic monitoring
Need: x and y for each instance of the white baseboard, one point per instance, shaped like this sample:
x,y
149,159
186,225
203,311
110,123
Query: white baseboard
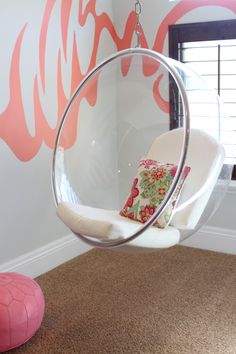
x,y
213,239
45,258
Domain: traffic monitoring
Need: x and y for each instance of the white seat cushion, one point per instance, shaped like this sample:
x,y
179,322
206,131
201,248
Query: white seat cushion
x,y
108,225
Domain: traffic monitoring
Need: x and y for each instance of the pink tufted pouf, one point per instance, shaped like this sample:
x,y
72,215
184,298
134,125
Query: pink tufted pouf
x,y
21,309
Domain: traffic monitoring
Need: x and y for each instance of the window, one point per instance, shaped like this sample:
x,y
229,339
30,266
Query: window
x,y
209,48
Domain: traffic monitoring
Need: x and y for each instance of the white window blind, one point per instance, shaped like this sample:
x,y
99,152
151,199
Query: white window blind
x,y
215,61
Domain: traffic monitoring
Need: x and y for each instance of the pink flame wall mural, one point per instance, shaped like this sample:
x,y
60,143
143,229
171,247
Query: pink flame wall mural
x,y
13,127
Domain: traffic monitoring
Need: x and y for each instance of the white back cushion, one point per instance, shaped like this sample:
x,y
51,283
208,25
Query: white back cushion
x,y
205,157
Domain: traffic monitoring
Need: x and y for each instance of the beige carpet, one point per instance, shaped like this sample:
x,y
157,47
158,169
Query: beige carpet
x,y
177,301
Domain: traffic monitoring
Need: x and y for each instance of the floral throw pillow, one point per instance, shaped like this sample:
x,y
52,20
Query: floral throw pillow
x,y
149,188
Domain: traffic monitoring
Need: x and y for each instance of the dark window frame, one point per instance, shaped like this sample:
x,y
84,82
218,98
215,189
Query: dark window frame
x,y
194,32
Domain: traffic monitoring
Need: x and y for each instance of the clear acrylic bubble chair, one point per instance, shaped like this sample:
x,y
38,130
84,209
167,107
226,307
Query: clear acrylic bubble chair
x,y
131,165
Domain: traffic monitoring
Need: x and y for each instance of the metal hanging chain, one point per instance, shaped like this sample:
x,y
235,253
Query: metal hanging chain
x,y
138,26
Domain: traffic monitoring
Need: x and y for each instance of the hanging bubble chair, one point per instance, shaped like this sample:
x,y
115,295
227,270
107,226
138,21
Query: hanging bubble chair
x,y
131,167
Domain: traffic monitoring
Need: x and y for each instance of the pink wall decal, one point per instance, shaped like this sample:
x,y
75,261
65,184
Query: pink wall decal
x,y
13,127
43,38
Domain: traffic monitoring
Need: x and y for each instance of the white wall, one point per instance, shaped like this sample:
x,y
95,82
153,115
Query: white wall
x,y
31,43
27,211
225,215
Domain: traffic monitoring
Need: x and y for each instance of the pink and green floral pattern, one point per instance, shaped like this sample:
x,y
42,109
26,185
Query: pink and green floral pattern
x,y
149,188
